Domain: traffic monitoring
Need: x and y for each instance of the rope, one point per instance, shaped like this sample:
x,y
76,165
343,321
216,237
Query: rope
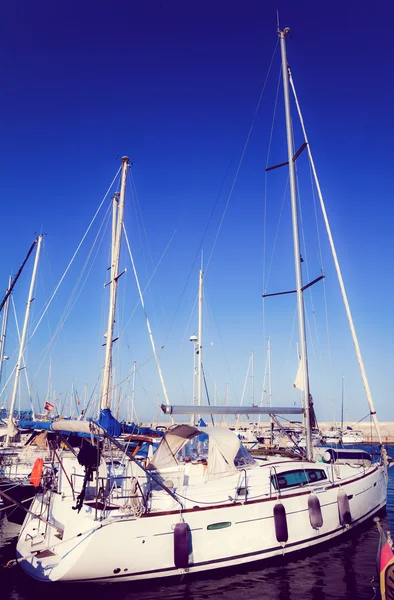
x,y
73,296
149,281
338,271
145,235
8,292
147,319
363,419
265,209
242,157
75,254
216,202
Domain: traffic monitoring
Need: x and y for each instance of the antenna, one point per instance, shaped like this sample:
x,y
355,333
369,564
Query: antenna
x,y
277,18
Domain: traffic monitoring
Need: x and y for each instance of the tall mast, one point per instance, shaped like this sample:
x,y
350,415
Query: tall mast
x,y
4,327
10,429
252,378
199,371
270,393
296,242
343,399
115,253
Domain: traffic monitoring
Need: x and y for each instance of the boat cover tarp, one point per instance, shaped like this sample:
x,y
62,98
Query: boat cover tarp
x,y
222,449
63,425
109,423
41,425
137,430
106,420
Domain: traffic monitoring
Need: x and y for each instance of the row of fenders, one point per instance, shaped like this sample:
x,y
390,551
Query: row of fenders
x,y
315,515
182,533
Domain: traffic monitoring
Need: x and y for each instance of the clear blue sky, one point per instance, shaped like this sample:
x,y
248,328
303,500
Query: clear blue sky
x,y
174,85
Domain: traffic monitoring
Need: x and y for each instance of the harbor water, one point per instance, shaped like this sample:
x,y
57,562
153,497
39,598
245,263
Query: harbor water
x,y
344,569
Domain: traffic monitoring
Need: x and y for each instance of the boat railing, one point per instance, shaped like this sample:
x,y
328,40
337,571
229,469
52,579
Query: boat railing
x,y
274,478
242,486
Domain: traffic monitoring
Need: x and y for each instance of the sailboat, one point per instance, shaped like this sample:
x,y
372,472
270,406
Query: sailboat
x,y
17,460
202,502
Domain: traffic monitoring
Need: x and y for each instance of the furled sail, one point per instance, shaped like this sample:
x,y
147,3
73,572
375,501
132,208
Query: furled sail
x,y
299,379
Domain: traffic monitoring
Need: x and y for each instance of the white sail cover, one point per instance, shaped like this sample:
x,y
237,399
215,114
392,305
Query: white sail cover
x,y
75,426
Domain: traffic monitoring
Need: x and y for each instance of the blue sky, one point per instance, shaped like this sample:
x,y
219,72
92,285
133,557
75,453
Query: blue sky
x,y
175,85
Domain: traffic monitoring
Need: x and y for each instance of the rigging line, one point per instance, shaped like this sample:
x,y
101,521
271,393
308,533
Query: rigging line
x,y
138,206
189,321
141,229
92,394
78,287
322,270
339,272
242,157
286,369
150,279
153,402
75,254
363,419
197,255
228,364
305,259
266,196
276,235
309,328
213,320
245,382
147,320
213,210
207,393
15,279
42,279
72,301
8,380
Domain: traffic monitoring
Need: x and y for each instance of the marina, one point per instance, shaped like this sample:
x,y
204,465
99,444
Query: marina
x,y
134,448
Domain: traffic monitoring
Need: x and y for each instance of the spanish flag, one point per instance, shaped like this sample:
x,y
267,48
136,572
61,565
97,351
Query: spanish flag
x,y
48,406
386,567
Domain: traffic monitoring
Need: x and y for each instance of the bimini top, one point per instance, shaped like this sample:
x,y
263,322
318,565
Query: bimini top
x,y
223,447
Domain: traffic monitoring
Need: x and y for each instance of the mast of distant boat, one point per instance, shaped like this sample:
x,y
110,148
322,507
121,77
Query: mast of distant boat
x,y
296,242
343,399
4,328
199,372
10,428
133,391
117,224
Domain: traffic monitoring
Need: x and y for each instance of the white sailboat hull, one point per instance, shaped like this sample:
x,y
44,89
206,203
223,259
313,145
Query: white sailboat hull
x,y
123,548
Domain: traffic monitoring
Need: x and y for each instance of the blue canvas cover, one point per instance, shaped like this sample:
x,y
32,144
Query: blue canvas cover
x,y
135,429
109,423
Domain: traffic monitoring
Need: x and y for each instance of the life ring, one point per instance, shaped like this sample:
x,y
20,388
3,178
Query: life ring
x,y
35,476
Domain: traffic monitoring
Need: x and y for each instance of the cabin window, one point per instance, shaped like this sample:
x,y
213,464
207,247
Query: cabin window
x,y
301,477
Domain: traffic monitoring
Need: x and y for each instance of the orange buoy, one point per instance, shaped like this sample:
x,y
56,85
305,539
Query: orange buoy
x,y
35,476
